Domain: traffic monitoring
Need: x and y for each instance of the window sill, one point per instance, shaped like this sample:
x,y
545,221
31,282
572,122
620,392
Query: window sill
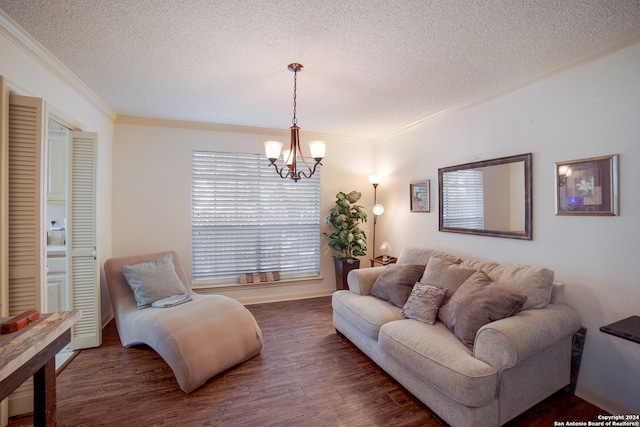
x,y
258,285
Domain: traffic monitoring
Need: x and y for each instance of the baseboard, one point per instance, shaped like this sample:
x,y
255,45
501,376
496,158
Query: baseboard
x,y
106,319
603,402
287,297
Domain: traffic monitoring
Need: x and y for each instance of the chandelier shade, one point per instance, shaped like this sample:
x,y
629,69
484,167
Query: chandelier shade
x,y
294,165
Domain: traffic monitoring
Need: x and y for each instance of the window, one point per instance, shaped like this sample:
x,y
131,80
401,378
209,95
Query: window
x,y
246,219
462,199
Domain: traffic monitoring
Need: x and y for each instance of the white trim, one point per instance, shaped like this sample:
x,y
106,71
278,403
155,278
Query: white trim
x,y
211,288
603,402
307,295
279,298
33,48
217,127
592,53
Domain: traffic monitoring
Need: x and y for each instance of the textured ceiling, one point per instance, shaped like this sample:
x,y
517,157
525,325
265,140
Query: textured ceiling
x,y
371,66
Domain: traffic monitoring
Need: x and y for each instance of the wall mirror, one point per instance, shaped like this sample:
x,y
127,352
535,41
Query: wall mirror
x,y
488,198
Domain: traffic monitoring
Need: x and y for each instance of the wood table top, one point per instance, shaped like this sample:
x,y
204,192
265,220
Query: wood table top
x,y
19,347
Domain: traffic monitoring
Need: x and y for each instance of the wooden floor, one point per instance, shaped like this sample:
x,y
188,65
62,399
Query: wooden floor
x,y
306,375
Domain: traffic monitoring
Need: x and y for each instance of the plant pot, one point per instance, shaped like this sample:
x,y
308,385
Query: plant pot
x,y
342,270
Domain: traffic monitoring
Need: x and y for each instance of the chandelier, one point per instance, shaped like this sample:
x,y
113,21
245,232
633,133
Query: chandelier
x,y
293,158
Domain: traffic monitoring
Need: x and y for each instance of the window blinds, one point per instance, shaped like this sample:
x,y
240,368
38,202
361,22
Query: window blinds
x,y
462,199
246,219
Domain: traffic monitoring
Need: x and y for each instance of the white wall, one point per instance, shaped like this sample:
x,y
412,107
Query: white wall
x,y
587,111
32,71
152,190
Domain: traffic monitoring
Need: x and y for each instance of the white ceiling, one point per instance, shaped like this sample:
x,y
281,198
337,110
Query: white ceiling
x,y
370,66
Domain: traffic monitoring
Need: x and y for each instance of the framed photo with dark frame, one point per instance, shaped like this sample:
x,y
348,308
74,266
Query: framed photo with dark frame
x,y
587,186
419,196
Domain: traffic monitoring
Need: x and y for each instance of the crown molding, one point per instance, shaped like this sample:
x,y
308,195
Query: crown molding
x,y
216,127
596,51
23,40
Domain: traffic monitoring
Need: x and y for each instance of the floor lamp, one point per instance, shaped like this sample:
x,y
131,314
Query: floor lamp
x,y
377,208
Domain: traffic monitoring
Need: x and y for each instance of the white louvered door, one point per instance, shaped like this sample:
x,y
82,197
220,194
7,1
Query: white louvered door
x,y
4,204
4,218
26,208
82,267
26,243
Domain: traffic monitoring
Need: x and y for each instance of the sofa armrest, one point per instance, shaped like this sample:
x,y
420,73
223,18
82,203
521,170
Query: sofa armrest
x,y
361,280
506,342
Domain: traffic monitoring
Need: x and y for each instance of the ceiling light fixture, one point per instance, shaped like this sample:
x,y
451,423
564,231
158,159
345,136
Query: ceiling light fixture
x,y
293,155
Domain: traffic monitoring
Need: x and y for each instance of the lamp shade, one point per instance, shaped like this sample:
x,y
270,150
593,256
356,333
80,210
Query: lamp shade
x,y
287,157
317,149
375,179
272,149
564,170
378,209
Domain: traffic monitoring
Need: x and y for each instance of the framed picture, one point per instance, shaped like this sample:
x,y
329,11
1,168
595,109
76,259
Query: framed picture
x,y
419,196
587,186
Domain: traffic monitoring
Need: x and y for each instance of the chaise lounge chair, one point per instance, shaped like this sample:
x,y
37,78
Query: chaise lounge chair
x,y
198,339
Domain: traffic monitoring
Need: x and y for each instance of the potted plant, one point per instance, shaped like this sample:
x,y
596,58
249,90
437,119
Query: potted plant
x,y
348,241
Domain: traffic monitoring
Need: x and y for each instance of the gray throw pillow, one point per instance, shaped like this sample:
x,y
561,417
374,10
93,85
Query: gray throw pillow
x,y
153,281
477,302
395,283
423,303
444,274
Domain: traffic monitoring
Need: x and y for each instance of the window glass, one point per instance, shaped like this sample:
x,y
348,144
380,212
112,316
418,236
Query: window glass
x,y
462,199
246,219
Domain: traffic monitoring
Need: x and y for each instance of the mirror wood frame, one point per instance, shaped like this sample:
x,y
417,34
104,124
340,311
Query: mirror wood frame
x,y
526,234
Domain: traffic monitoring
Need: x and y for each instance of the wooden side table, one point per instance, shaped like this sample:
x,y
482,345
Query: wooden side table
x,y
378,260
628,328
32,351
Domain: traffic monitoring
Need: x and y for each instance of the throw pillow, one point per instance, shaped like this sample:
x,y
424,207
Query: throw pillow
x,y
395,283
423,303
477,302
444,274
534,282
153,281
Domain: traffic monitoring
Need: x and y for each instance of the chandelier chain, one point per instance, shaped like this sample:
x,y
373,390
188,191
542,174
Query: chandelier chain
x,y
295,80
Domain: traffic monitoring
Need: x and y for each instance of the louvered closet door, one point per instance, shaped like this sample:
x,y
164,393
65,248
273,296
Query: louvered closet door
x,y
26,219
4,204
26,210
4,218
82,268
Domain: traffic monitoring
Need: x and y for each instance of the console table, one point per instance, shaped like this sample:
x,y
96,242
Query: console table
x,y
32,351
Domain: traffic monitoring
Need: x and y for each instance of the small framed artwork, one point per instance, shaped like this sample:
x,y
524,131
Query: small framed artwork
x,y
587,186
419,196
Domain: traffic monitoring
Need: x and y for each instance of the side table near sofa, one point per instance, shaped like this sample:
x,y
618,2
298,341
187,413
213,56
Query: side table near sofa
x,y
379,260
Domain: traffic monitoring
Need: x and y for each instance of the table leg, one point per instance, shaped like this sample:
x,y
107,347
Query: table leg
x,y
44,395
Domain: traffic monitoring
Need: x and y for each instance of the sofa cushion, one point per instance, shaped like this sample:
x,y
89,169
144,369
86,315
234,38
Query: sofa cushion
x,y
436,356
365,312
396,281
477,302
423,303
444,274
418,255
534,282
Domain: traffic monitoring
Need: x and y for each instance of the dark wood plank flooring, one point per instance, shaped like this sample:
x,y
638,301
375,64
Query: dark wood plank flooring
x,y
306,375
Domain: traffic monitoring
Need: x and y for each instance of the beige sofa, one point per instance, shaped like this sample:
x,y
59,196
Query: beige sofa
x,y
514,362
